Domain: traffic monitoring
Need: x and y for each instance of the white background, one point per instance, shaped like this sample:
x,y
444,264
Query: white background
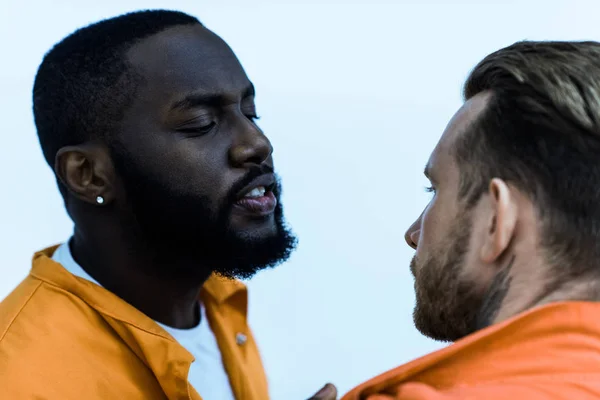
x,y
353,95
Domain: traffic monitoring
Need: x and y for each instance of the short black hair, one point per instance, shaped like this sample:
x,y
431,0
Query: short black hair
x,y
84,83
540,132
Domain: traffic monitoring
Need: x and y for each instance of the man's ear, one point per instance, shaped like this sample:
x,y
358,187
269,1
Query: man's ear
x,y
87,172
503,214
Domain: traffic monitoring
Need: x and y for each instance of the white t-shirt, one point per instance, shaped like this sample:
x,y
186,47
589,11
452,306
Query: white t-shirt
x,y
207,374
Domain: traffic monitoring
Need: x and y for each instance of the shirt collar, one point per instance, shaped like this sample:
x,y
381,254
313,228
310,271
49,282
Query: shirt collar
x,y
222,289
520,343
217,288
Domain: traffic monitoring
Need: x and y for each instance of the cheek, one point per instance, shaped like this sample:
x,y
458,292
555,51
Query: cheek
x,y
177,175
192,168
475,270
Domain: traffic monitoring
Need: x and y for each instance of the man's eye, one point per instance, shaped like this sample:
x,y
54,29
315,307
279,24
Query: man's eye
x,y
197,129
252,117
430,189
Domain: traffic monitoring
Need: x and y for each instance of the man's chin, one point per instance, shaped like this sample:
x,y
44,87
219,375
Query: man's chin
x,y
247,257
427,327
253,227
249,249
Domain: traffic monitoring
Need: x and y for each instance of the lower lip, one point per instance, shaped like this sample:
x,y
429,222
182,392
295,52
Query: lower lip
x,y
261,206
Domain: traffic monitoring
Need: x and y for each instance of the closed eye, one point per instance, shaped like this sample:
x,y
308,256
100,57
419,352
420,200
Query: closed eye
x,y
197,130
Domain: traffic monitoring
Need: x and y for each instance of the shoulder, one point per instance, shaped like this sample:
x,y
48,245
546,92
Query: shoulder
x,y
53,345
546,388
37,311
42,325
13,306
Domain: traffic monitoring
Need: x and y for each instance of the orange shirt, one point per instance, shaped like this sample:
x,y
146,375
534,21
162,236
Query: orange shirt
x,y
63,337
550,352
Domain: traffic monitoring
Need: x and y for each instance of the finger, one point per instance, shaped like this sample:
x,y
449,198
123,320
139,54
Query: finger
x,y
328,392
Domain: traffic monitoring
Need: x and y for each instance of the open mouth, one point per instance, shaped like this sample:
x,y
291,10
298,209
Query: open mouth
x,y
258,191
258,198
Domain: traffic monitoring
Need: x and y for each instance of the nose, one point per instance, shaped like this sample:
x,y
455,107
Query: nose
x,y
250,147
412,234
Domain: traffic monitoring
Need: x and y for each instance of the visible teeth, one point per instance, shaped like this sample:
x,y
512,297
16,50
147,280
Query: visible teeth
x,y
257,192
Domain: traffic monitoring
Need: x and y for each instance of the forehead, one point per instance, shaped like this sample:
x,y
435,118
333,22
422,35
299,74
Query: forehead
x,y
441,158
184,59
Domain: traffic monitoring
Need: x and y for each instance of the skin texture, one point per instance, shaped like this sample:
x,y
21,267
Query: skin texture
x,y
476,266
172,177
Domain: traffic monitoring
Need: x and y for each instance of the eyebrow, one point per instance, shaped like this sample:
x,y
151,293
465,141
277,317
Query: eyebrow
x,y
194,100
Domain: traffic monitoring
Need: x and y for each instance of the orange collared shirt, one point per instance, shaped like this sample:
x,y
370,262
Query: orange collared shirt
x,y
550,352
63,337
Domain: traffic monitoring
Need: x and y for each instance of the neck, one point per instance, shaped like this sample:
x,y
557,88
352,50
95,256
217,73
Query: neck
x,y
586,288
522,287
131,271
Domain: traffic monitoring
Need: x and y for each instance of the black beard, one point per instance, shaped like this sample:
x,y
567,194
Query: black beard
x,y
185,236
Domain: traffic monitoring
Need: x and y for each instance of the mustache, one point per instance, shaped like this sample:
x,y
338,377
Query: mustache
x,y
413,266
252,174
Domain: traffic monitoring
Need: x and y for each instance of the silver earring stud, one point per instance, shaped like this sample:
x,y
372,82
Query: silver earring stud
x,y
100,200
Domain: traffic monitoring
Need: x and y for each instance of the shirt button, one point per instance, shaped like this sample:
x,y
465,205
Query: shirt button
x,y
241,339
